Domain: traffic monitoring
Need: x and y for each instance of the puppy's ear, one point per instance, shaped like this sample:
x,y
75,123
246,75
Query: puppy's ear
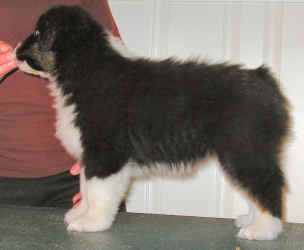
x,y
47,40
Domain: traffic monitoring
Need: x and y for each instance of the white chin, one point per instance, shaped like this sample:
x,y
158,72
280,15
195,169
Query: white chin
x,y
23,66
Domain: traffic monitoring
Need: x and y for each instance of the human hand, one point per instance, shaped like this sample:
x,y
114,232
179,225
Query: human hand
x,y
7,59
75,170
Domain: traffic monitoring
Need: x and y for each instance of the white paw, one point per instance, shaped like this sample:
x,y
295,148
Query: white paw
x,y
243,220
265,227
74,213
89,223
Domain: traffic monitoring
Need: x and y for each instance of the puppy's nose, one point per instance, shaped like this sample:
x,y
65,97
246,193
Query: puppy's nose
x,y
14,53
23,52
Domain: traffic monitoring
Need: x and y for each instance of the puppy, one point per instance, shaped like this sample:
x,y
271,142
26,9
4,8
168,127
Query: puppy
x,y
121,116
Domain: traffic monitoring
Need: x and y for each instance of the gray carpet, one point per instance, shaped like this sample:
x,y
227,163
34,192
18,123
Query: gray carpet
x,y
42,228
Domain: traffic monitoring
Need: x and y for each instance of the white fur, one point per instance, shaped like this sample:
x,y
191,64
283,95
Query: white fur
x,y
103,197
163,170
75,213
66,131
23,66
258,225
245,219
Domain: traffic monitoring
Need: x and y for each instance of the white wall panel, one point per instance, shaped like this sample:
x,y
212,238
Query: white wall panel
x,y
132,18
273,36
247,32
195,30
292,77
252,34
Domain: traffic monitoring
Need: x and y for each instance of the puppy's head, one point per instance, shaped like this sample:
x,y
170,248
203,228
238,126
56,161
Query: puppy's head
x,y
61,32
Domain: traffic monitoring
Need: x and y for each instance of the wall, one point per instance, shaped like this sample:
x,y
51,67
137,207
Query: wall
x,y
250,32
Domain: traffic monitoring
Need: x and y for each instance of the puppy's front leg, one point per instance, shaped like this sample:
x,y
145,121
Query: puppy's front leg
x,y
103,197
76,212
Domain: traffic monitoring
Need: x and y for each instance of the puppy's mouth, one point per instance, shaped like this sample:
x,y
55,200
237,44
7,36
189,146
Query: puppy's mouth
x,y
30,62
28,65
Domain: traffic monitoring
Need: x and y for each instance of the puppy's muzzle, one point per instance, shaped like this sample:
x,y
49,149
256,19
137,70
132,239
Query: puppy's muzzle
x,y
25,53
26,56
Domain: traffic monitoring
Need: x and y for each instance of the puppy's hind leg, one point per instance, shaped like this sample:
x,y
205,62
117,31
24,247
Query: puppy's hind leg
x,y
246,219
257,218
103,195
259,175
264,226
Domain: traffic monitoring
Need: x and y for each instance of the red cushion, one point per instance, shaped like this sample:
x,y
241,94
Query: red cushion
x,y
28,147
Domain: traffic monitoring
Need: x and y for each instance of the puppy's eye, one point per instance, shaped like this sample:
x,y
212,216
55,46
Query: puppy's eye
x,y
36,33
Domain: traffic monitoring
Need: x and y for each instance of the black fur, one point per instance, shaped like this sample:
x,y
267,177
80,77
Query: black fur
x,y
169,111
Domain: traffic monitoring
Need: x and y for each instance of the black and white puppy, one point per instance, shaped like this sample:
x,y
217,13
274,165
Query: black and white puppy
x,y
121,116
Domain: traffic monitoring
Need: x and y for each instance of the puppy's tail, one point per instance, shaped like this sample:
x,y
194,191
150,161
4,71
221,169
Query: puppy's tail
x,y
263,72
281,102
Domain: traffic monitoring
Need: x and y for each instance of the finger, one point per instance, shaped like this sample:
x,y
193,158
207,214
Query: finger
x,y
76,204
4,47
75,169
5,68
6,58
76,198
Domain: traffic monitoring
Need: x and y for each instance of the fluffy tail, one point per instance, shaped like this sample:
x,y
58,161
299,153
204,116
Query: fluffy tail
x,y
264,73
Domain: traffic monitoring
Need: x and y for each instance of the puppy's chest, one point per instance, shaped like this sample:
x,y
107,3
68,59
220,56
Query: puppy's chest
x,y
66,131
